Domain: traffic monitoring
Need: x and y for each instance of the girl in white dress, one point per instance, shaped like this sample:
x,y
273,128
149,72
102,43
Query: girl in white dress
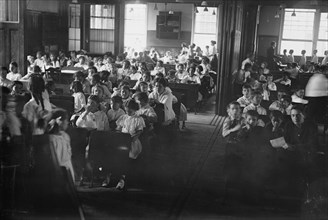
x,y
60,140
132,124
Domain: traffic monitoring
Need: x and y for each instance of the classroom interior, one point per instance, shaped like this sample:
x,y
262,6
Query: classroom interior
x,y
183,170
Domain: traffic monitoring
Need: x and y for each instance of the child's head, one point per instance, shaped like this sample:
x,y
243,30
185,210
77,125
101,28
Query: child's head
x,y
256,98
264,65
199,69
180,67
69,63
160,85
13,67
125,92
104,75
233,110
38,55
303,52
143,86
285,51
98,91
79,76
73,53
276,118
141,98
58,122
146,76
300,92
77,87
81,59
99,60
4,72
269,78
251,118
52,57
159,63
191,71
93,103
91,71
95,79
280,94
297,115
315,52
291,52
248,67
126,64
131,107
247,90
171,73
116,102
286,100
17,87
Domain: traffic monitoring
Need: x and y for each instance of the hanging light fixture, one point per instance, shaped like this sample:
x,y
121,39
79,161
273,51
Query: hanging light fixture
x,y
277,15
74,1
196,10
155,7
213,13
171,12
204,4
294,13
205,9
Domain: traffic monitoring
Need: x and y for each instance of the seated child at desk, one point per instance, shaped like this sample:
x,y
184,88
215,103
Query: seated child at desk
x,y
256,105
181,73
171,78
93,118
191,77
245,100
125,94
79,97
79,76
115,112
145,110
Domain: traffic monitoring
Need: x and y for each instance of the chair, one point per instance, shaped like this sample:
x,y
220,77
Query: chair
x,y
108,151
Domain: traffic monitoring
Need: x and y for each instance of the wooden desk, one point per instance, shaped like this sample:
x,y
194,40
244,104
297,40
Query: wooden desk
x,y
189,91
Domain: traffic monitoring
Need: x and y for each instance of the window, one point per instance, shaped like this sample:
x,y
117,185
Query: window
x,y
102,24
299,33
9,11
135,26
74,29
322,44
205,26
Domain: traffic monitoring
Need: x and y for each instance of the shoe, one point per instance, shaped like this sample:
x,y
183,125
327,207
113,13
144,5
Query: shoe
x,y
121,184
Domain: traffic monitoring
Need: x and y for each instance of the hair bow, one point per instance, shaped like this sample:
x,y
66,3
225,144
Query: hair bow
x,y
58,121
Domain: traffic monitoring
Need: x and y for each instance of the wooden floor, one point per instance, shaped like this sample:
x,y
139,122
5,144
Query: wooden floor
x,y
181,181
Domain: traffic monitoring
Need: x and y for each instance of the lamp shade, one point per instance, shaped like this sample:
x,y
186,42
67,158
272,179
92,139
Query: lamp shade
x,y
205,9
204,3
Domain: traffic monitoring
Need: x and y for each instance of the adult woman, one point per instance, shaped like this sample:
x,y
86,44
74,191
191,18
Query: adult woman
x,y
163,94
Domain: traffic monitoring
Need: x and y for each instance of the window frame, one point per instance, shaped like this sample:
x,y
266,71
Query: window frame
x,y
18,13
315,35
194,23
146,22
77,7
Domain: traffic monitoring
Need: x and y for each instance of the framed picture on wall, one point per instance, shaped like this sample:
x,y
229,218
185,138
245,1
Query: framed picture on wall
x,y
9,11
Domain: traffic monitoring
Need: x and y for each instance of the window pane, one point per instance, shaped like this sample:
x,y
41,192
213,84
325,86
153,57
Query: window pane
x,y
321,47
74,33
102,35
135,26
203,40
297,46
299,26
323,28
101,47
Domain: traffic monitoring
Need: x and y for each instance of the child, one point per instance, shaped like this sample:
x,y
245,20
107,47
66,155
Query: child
x,y
275,127
283,105
271,85
132,124
98,64
245,100
3,78
302,62
142,87
14,75
298,96
96,81
191,77
91,71
124,71
145,110
82,63
117,91
105,80
159,68
265,91
264,70
99,91
315,57
79,76
115,112
171,78
79,97
181,73
256,104
17,89
60,140
125,94
284,80
93,118
291,57
232,124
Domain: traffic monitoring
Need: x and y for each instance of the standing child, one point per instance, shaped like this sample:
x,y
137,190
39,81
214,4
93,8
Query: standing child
x,y
115,112
132,124
60,140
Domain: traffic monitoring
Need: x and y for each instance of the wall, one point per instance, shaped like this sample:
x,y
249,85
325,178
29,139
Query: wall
x,y
269,28
43,5
186,24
